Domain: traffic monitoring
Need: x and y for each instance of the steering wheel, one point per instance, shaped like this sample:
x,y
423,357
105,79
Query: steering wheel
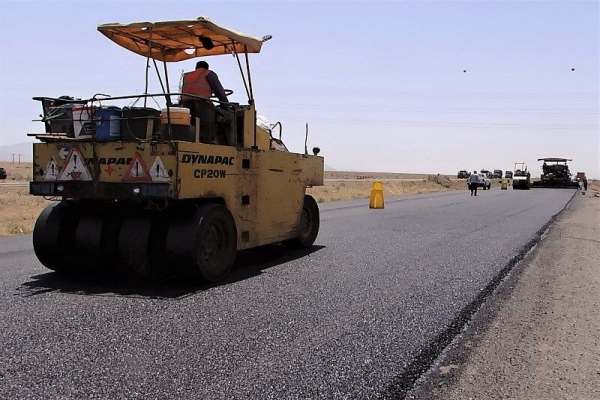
x,y
228,92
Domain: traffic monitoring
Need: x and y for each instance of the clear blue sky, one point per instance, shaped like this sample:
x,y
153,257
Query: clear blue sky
x,y
380,83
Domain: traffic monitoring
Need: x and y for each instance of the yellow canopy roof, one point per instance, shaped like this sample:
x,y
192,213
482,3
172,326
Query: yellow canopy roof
x,y
180,40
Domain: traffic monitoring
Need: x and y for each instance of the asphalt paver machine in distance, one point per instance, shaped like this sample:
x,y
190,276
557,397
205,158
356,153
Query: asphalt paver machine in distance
x,y
555,173
521,178
178,190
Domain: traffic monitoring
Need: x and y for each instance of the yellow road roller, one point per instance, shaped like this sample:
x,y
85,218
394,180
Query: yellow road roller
x,y
172,190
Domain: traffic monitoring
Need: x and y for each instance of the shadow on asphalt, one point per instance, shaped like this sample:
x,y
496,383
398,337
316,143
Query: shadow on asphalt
x,y
249,263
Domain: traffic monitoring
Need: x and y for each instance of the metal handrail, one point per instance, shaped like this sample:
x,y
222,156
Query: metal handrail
x,y
110,98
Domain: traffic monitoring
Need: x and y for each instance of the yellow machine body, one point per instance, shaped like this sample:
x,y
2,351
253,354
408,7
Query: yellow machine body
x,y
263,188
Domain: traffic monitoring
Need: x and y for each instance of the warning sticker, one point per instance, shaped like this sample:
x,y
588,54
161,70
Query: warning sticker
x,y
75,168
158,172
51,171
137,170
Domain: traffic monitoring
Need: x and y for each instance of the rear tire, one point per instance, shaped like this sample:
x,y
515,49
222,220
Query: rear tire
x,y
202,241
215,242
308,227
142,246
54,236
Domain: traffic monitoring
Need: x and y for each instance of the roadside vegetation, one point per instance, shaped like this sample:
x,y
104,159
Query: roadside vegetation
x,y
361,188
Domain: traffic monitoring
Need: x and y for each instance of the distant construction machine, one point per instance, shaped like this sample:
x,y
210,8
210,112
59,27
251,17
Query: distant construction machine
x,y
555,173
521,179
172,191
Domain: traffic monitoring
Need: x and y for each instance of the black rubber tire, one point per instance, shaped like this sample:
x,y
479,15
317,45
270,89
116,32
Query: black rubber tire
x,y
215,242
134,246
308,226
141,246
190,233
54,235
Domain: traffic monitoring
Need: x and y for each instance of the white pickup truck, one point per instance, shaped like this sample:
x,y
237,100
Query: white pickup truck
x,y
484,182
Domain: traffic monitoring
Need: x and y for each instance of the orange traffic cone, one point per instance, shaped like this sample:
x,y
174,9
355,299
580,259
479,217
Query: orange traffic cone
x,y
376,198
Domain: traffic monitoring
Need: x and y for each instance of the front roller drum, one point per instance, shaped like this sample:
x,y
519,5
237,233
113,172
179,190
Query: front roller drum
x,y
206,244
54,234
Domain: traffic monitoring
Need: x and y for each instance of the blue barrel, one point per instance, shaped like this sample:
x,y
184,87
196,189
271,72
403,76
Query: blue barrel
x,y
108,123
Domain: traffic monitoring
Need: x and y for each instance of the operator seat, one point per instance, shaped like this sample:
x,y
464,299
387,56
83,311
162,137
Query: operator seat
x,y
205,110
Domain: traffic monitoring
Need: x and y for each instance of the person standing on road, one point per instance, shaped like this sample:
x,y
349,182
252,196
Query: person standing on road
x,y
473,183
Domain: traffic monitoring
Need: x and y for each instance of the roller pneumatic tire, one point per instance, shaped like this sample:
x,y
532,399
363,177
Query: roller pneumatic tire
x,y
205,245
54,234
141,246
308,227
215,242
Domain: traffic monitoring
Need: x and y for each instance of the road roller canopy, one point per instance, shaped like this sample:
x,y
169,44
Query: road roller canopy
x,y
171,41
554,159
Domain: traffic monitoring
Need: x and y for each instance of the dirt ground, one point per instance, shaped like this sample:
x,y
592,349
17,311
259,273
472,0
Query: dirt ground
x,y
544,342
393,185
18,210
16,171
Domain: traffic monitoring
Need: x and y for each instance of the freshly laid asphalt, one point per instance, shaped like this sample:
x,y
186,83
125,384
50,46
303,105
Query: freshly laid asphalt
x,y
344,320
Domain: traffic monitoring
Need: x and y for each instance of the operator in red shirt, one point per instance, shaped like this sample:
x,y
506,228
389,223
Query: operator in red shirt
x,y
203,82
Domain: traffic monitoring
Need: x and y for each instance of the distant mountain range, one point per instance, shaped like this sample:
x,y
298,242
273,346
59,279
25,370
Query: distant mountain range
x,y
25,149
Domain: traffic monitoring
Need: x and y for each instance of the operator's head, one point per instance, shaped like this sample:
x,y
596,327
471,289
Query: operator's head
x,y
201,64
474,172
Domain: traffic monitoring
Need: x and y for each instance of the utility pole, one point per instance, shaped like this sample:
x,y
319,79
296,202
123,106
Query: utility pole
x,y
20,158
13,158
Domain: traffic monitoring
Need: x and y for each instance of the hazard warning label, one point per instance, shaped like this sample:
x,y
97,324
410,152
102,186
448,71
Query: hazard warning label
x,y
137,171
158,173
75,168
51,171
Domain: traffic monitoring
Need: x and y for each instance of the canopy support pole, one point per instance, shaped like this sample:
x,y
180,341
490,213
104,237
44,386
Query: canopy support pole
x,y
251,100
168,99
249,76
148,67
237,57
146,85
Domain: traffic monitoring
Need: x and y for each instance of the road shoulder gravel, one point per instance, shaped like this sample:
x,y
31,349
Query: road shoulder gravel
x,y
538,336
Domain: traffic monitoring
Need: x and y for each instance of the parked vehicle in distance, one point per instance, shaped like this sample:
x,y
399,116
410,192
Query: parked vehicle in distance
x,y
2,173
508,174
497,174
462,174
484,181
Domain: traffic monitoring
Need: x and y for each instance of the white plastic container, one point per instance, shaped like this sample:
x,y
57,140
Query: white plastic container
x,y
83,121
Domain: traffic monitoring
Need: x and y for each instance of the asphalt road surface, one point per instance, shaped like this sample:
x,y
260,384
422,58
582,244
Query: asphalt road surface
x,y
346,320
